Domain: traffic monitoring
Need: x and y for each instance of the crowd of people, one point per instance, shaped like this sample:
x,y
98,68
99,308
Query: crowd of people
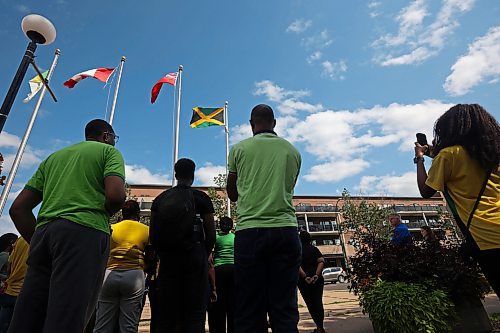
x,y
71,271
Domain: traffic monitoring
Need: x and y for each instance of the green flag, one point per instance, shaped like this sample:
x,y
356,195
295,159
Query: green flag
x,y
35,86
205,117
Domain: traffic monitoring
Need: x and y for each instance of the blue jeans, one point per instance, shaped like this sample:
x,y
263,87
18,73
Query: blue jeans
x,y
7,303
267,264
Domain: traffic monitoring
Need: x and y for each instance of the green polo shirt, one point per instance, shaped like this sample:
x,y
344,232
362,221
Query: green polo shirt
x,y
224,249
267,168
71,182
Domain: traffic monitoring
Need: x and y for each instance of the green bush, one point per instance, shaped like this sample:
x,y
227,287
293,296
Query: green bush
x,y
407,308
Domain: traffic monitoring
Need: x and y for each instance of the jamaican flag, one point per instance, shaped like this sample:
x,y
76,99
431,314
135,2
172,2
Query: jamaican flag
x,y
205,117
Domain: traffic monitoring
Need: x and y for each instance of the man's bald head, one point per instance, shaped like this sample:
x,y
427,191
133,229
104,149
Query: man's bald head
x,y
262,118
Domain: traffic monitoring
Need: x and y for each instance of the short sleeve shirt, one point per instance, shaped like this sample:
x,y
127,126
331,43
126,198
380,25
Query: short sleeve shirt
x,y
128,243
71,183
267,168
224,249
460,177
18,267
310,256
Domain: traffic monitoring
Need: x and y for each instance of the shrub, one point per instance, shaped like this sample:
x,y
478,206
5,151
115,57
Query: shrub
x,y
438,266
407,308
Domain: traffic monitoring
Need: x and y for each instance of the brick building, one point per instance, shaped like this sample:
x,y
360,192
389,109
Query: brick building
x,y
320,215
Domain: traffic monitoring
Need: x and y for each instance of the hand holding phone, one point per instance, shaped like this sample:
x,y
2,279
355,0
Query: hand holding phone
x,y
422,141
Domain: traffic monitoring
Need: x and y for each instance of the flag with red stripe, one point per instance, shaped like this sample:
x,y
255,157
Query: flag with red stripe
x,y
170,78
101,74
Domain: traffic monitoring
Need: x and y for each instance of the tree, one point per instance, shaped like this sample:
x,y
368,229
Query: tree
x,y
367,220
219,201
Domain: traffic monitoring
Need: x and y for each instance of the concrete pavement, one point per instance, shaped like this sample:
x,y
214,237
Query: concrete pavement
x,y
342,313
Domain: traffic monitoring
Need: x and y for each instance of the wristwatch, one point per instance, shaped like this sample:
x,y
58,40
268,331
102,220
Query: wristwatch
x,y
416,159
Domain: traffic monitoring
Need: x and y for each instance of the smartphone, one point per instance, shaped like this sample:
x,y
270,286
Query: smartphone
x,y
422,139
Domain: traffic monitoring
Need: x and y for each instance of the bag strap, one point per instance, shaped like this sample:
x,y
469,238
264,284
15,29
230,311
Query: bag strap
x,y
479,196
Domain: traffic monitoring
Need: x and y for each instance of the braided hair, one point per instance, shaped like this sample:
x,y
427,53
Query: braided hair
x,y
472,127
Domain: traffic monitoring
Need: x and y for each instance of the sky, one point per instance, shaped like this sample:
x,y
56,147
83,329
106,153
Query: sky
x,y
350,82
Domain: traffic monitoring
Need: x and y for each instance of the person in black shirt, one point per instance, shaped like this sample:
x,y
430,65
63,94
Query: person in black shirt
x,y
183,252
311,280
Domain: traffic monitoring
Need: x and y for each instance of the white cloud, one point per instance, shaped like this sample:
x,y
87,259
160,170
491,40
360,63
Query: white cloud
x,y
334,70
9,140
394,185
410,21
287,100
315,56
335,171
340,139
415,42
374,4
206,174
481,63
318,41
31,157
23,9
138,174
6,224
299,25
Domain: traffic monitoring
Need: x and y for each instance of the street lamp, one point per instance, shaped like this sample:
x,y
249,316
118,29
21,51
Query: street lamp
x,y
40,31
341,233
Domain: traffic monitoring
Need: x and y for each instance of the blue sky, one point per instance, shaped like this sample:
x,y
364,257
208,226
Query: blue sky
x,y
351,82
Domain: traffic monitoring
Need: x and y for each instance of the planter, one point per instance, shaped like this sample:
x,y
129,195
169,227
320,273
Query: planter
x,y
472,317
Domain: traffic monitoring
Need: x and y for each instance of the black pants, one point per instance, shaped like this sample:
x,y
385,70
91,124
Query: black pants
x,y
313,296
66,266
182,291
222,311
489,262
267,264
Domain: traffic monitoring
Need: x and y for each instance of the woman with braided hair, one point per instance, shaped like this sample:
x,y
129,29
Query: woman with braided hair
x,y
465,167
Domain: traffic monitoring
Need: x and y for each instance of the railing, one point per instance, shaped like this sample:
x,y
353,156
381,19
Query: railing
x,y
315,209
315,227
422,208
415,225
146,205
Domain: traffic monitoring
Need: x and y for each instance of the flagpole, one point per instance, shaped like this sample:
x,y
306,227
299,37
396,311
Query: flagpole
x,y
113,106
24,141
176,142
226,129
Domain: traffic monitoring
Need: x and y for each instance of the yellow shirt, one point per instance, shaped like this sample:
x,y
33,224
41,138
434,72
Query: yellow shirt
x,y
463,177
128,242
18,267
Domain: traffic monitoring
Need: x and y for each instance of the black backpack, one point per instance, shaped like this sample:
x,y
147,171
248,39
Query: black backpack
x,y
174,224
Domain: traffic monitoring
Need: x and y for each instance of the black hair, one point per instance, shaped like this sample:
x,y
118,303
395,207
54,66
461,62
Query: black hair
x,y
262,114
184,169
96,127
305,237
131,210
226,224
7,240
472,127
430,233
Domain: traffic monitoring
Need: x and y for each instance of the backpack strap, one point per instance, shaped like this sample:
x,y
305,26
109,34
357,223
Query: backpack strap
x,y
479,196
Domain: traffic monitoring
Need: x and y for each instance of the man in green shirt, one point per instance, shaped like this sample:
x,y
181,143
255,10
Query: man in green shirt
x,y
263,171
79,187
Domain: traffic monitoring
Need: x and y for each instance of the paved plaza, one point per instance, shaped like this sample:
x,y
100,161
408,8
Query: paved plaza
x,y
342,312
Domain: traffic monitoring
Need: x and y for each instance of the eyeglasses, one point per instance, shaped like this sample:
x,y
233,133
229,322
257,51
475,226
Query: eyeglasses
x,y
115,137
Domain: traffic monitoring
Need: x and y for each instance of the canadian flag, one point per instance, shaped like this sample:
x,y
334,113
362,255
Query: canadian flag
x,y
102,74
170,78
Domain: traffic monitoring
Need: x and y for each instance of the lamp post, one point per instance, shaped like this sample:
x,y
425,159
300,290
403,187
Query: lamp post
x,y
40,31
341,233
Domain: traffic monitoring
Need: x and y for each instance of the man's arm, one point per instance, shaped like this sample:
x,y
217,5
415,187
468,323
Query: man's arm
x,y
209,227
114,191
232,190
21,212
